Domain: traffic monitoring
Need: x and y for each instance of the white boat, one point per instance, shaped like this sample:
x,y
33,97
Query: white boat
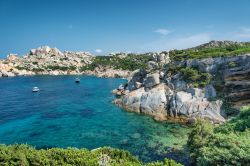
x,y
35,89
77,80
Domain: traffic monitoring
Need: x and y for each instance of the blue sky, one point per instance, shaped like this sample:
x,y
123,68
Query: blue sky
x,y
104,26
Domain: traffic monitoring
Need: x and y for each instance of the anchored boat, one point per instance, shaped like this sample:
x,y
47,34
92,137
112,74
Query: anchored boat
x,y
77,80
35,89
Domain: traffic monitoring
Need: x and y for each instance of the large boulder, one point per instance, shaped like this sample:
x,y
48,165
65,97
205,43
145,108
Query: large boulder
x,y
197,92
7,74
162,57
45,50
212,112
55,51
132,100
55,72
32,51
210,92
136,77
12,57
152,65
151,80
179,84
190,106
154,102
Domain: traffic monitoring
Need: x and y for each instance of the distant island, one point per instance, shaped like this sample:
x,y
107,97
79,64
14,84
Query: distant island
x,y
201,86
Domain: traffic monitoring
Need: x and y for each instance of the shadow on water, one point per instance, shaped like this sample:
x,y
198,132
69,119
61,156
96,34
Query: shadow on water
x,y
53,115
54,127
87,113
35,134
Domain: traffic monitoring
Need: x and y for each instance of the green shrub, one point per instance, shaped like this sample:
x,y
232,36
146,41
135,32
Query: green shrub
x,y
26,155
232,50
34,63
166,162
62,68
227,144
87,67
130,62
37,69
21,68
191,75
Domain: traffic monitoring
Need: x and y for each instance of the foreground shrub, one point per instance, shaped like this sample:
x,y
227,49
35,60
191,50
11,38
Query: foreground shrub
x,y
25,155
227,144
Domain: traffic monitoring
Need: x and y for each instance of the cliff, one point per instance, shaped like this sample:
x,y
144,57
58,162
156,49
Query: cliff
x,y
191,88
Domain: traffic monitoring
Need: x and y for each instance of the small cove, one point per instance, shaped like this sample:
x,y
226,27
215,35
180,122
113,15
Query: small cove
x,y
65,114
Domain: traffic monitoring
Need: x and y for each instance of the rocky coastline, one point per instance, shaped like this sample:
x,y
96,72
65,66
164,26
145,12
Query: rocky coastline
x,y
167,95
51,61
162,87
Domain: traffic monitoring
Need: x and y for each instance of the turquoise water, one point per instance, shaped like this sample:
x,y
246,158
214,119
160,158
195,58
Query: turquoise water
x,y
66,114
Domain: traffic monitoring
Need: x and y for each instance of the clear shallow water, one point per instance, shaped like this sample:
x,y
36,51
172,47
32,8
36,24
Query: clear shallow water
x,y
66,114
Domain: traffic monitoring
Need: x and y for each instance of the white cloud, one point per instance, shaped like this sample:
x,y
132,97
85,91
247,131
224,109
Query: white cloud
x,y
163,31
98,51
177,42
242,33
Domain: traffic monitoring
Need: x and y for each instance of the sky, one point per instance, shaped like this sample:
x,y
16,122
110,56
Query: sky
x,y
106,26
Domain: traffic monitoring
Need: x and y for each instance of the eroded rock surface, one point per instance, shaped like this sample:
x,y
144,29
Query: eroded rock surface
x,y
157,99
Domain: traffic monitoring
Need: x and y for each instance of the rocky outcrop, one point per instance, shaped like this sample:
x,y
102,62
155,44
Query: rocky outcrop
x,y
151,80
237,87
195,106
136,79
5,70
7,74
223,64
165,96
216,44
155,101
154,97
232,75
51,61
45,50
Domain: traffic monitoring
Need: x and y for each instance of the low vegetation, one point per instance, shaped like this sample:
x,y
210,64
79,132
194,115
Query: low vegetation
x,y
25,155
227,144
21,68
191,75
62,68
212,52
130,62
